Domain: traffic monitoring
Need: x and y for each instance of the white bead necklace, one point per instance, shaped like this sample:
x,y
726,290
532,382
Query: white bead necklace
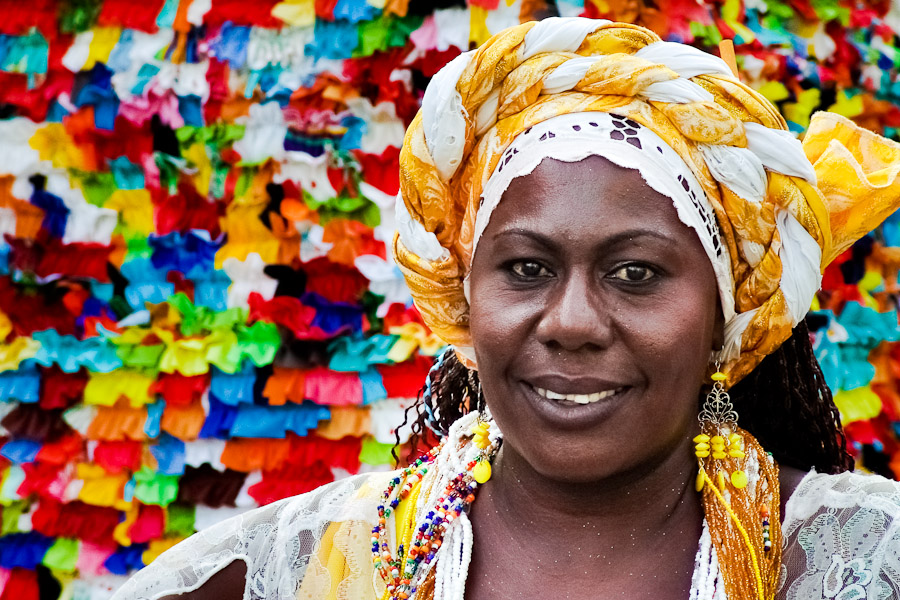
x,y
451,563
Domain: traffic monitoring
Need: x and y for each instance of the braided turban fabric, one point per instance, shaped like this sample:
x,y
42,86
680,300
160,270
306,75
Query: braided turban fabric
x,y
784,210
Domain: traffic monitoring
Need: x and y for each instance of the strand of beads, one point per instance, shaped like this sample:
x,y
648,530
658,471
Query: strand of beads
x,y
706,569
399,488
764,515
399,572
457,496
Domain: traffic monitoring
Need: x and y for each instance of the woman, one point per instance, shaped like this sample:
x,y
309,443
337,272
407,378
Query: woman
x,y
648,235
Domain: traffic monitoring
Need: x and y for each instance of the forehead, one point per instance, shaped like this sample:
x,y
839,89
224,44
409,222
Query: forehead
x,y
584,199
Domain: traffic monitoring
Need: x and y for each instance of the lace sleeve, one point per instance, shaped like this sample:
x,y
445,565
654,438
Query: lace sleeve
x,y
275,541
843,538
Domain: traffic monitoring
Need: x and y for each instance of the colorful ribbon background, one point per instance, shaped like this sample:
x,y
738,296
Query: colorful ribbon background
x,y
197,311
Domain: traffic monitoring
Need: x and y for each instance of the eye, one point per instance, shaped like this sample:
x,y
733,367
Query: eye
x,y
529,269
633,273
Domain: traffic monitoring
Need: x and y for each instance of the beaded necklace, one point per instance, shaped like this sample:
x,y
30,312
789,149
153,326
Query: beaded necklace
x,y
444,523
420,544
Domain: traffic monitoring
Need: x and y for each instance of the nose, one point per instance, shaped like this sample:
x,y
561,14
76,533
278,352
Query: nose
x,y
576,316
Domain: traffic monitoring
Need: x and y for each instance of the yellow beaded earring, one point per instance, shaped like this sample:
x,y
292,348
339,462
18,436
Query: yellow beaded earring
x,y
481,438
742,516
481,469
719,439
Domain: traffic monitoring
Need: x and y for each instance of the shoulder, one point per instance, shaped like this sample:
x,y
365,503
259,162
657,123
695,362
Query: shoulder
x,y
842,536
851,490
273,541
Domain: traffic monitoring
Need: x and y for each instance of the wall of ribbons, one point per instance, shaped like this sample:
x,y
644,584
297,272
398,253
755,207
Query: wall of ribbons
x,y
198,311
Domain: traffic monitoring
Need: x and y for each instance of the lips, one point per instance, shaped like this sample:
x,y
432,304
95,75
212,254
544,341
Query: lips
x,y
568,404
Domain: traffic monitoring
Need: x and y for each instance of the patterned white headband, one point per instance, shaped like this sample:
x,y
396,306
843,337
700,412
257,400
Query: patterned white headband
x,y
574,137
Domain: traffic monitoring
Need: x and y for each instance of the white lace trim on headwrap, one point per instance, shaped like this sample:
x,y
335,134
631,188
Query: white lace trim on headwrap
x,y
573,137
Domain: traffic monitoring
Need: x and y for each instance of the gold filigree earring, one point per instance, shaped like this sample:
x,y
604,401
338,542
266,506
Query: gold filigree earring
x,y
719,439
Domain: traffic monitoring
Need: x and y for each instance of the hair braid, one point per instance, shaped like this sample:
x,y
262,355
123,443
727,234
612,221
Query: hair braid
x,y
444,398
787,406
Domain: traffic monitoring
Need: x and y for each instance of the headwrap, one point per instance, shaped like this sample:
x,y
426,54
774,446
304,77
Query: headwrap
x,y
783,210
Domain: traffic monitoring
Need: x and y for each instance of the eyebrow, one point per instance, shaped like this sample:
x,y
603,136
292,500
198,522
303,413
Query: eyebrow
x,y
613,240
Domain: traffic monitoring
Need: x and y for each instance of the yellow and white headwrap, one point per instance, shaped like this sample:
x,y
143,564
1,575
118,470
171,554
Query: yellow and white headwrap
x,y
783,210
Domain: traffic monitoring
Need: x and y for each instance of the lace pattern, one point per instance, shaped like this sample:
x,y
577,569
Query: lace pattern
x,y
842,537
276,542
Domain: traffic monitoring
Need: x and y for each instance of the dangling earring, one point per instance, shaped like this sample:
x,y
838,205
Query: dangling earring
x,y
742,518
719,438
481,470
481,466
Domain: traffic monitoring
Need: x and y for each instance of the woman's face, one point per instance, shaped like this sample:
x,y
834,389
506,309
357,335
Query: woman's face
x,y
593,314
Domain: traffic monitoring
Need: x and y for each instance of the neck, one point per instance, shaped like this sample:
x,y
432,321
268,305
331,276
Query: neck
x,y
633,508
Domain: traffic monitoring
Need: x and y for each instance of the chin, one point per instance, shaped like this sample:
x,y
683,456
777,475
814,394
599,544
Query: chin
x,y
570,460
593,456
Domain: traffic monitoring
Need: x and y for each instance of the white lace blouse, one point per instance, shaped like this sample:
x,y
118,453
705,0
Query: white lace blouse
x,y
842,537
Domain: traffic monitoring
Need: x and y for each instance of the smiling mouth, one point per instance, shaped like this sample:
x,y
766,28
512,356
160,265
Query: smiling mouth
x,y
577,398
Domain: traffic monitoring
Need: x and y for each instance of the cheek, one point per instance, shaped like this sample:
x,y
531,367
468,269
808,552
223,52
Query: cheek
x,y
491,322
499,319
673,339
501,326
670,347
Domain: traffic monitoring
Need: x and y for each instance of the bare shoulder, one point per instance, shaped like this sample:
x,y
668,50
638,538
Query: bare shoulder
x,y
789,479
227,584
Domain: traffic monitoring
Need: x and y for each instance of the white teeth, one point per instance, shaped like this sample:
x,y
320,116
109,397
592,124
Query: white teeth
x,y
577,398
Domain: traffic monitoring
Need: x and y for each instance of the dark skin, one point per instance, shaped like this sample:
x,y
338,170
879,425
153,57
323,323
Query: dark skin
x,y
572,293
601,504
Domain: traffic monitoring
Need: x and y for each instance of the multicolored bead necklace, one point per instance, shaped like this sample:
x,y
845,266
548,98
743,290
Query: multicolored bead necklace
x,y
420,545
764,515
